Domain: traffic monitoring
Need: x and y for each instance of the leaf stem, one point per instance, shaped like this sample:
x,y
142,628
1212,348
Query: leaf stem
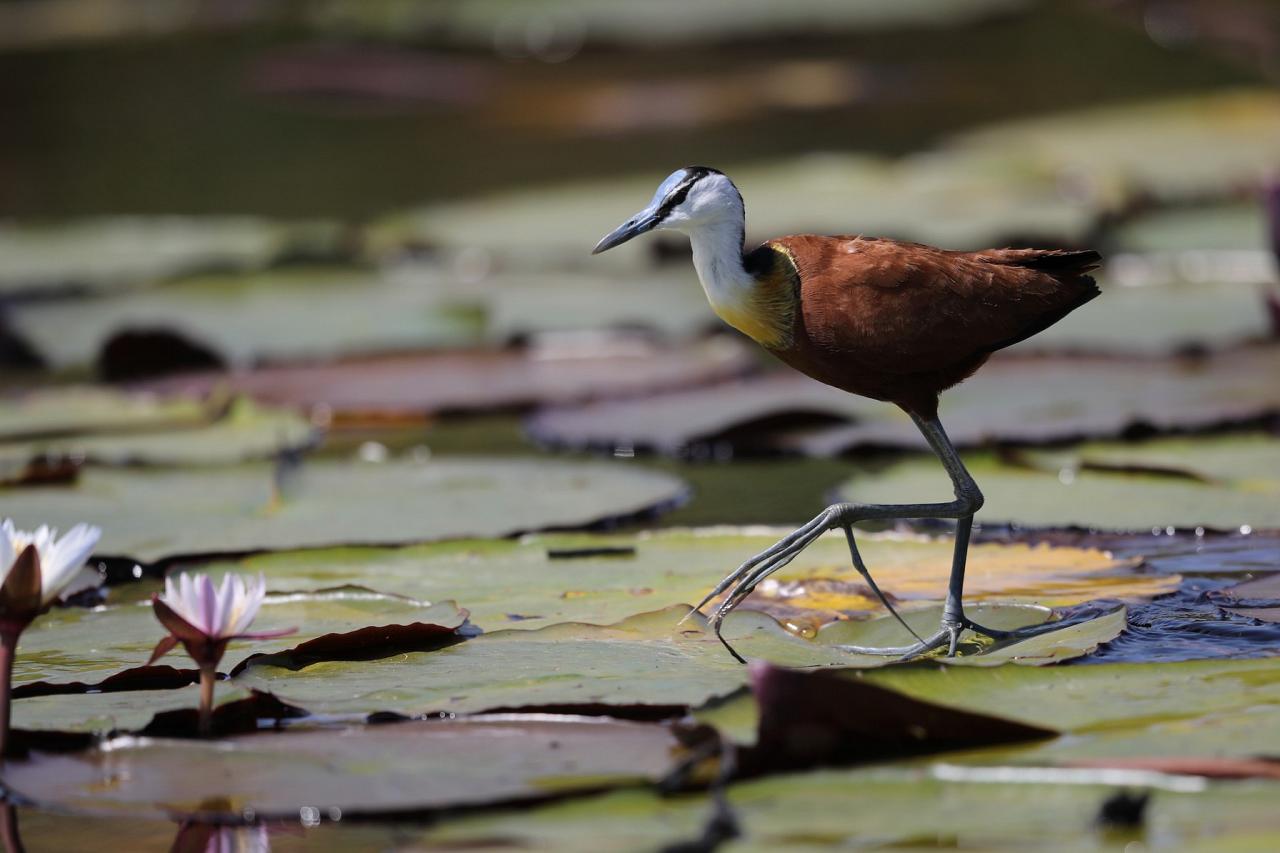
x,y
208,675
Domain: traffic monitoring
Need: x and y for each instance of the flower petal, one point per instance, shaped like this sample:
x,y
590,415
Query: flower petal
x,y
266,635
178,626
20,594
65,558
166,645
206,604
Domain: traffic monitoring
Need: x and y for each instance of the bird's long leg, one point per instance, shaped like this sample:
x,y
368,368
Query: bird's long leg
x,y
968,499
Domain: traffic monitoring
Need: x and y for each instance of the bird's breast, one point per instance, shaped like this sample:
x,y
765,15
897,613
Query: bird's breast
x,y
762,305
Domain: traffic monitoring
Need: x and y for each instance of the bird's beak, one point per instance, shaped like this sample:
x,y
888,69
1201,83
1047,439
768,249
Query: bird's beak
x,y
645,220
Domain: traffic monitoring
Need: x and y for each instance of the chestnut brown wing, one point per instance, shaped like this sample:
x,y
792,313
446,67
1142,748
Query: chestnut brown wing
x,y
906,308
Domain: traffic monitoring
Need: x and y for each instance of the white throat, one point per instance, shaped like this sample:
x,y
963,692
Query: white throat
x,y
717,256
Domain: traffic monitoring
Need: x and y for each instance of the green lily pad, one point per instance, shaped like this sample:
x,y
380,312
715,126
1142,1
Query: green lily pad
x,y
1095,698
1074,639
245,431
544,580
1184,708
101,713
117,253
1012,399
369,769
1224,482
648,659
812,811
160,514
1232,227
329,311
82,410
830,193
1151,319
89,645
1189,147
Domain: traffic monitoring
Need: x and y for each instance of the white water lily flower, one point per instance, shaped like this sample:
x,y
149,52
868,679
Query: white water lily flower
x,y
60,559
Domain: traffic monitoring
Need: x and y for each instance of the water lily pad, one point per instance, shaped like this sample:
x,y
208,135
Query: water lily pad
x,y
1157,317
811,811
1256,599
544,580
1096,698
89,409
100,713
957,207
1012,399
243,432
1225,483
330,311
159,514
648,659
412,386
370,769
86,646
1189,147
1047,643
1228,227
115,253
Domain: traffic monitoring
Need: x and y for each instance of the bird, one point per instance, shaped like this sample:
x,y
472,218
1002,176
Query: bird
x,y
886,319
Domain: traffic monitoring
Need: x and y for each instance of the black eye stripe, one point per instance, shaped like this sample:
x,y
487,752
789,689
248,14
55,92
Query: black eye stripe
x,y
696,173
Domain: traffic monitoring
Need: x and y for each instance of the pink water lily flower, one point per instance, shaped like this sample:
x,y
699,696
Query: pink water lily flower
x,y
204,618
36,566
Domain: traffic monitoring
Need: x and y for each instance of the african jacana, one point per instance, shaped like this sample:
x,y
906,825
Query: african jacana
x,y
893,321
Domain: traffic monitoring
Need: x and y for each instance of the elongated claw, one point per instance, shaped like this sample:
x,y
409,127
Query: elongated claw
x,y
821,520
866,575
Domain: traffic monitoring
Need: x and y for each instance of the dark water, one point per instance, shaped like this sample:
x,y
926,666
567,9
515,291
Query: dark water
x,y
1193,623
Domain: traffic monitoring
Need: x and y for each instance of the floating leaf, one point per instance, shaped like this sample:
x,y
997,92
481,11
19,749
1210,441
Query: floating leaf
x,y
521,584
955,205
1256,599
370,769
417,385
646,659
85,409
1040,637
100,713
161,514
296,313
1012,399
881,805
116,253
1224,482
89,645
245,431
1185,147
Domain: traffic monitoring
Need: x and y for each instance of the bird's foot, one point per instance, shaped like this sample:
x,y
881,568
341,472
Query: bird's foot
x,y
948,635
742,580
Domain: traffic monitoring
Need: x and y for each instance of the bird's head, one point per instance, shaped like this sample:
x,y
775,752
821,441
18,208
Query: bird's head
x,y
690,198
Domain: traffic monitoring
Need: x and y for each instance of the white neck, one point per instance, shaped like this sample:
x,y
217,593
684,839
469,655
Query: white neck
x,y
717,256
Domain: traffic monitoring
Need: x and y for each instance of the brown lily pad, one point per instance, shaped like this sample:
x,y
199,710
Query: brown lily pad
x,y
1013,399
573,369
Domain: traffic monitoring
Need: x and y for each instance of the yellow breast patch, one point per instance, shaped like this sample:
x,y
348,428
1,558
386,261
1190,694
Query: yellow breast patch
x,y
766,312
